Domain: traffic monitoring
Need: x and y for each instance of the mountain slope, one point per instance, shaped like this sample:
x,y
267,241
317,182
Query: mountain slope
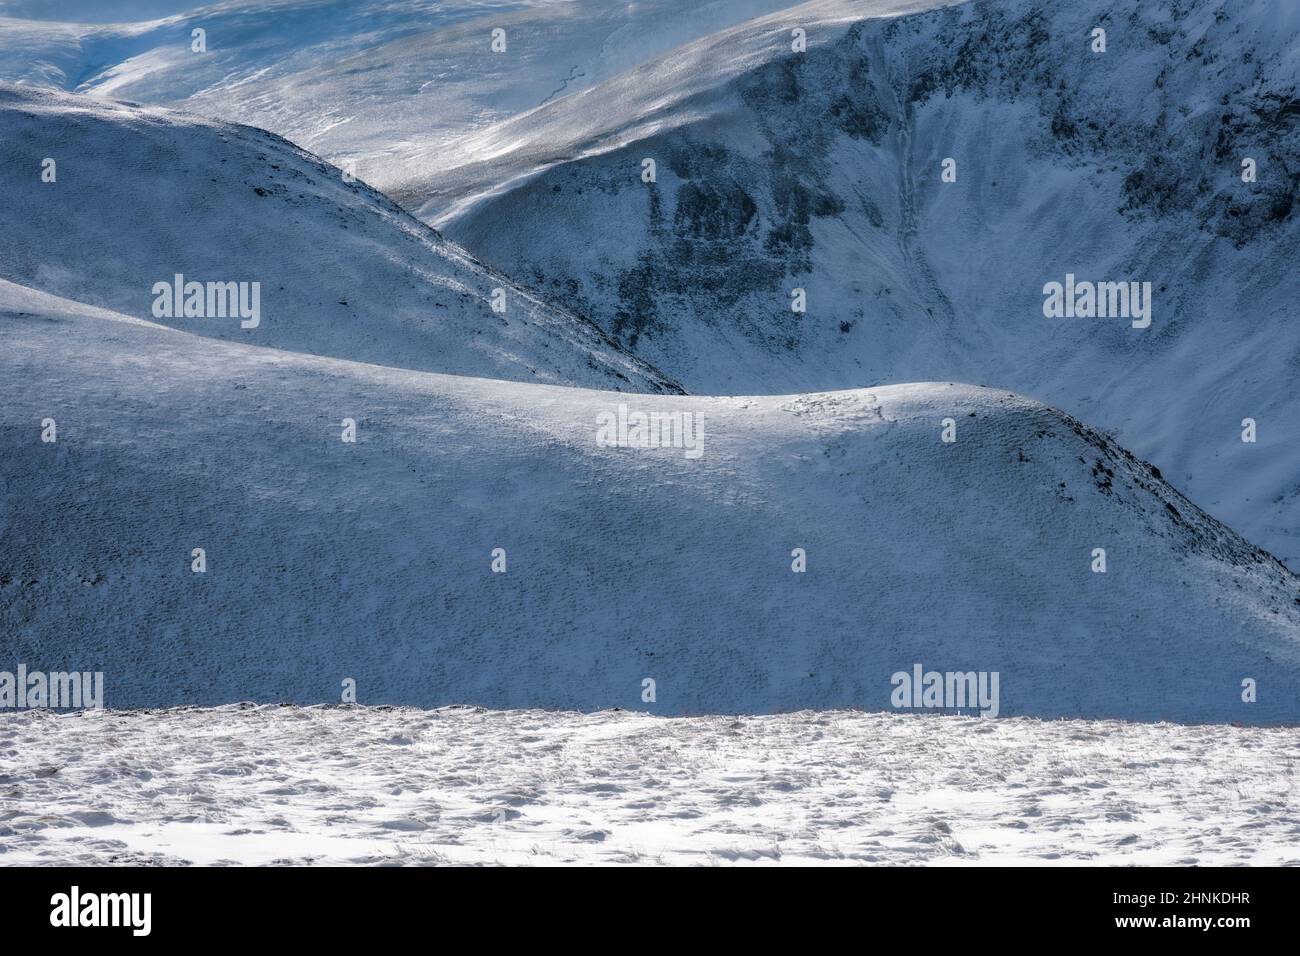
x,y
387,84
142,195
327,560
822,171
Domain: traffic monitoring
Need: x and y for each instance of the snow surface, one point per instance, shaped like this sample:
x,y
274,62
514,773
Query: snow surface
x,y
287,785
371,561
143,194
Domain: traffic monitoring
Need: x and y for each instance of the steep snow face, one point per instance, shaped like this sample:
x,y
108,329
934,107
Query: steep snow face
x,y
387,84
139,196
327,560
823,171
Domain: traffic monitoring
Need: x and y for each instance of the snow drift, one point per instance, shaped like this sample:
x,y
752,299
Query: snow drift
x,y
372,561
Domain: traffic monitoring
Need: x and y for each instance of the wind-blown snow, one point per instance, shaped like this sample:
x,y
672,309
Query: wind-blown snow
x,y
371,561
390,84
260,785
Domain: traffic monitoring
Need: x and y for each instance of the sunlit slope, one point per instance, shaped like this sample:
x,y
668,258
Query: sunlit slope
x,y
390,84
327,560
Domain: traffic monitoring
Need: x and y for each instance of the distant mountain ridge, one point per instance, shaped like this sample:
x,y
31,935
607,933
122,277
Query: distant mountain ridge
x,y
143,195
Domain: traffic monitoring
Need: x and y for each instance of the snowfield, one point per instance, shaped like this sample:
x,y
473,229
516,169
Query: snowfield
x,y
263,785
818,171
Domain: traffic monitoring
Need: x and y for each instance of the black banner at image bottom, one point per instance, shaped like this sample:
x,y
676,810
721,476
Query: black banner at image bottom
x,y
333,905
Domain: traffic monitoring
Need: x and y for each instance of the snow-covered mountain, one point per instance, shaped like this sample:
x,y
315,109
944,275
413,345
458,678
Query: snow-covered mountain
x,y
819,171
328,560
135,196
823,171
775,171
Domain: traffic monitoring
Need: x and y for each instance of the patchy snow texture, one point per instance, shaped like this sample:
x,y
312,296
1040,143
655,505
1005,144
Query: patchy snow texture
x,y
262,785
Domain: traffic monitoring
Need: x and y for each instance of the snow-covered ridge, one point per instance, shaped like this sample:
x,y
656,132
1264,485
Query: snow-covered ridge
x,y
140,195
373,561
685,86
822,170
